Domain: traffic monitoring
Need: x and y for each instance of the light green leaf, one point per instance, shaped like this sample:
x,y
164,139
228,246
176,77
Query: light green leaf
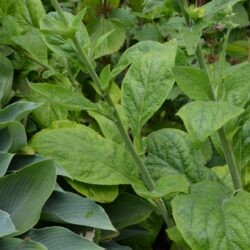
x,y
194,82
175,235
62,96
147,85
202,119
113,37
240,15
211,218
6,78
99,193
170,152
87,156
74,209
132,208
166,186
235,87
5,159
36,11
55,238
32,42
14,243
6,225
191,36
23,193
17,111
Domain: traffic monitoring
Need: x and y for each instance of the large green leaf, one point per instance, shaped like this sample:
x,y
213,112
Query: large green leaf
x,y
170,152
23,193
6,225
235,87
211,218
6,77
5,159
17,111
5,138
55,238
87,156
113,37
74,209
14,243
99,193
194,82
202,119
147,85
62,96
132,208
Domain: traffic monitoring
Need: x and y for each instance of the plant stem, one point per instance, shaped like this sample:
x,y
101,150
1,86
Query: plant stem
x,y
228,154
148,181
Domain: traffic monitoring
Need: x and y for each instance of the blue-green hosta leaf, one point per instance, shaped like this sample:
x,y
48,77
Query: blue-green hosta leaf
x,y
112,35
5,159
194,82
202,118
6,78
15,243
147,85
32,42
99,193
170,152
211,218
15,135
235,87
74,209
17,111
55,238
87,156
63,96
132,208
6,225
23,193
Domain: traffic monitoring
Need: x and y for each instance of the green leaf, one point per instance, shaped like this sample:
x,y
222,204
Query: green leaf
x,y
73,209
5,138
17,111
165,186
36,11
15,137
55,238
6,78
202,119
191,37
235,87
175,235
32,42
194,82
23,193
211,218
57,34
5,159
6,225
99,193
132,208
170,152
240,16
87,156
112,36
62,96
14,243
147,85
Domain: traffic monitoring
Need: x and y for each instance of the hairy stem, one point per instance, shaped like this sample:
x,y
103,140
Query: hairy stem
x,y
147,179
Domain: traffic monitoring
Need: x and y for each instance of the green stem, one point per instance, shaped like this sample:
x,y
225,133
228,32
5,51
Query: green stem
x,y
228,154
149,183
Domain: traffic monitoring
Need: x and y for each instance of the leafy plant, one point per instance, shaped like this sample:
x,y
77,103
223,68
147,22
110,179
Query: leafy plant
x,y
116,127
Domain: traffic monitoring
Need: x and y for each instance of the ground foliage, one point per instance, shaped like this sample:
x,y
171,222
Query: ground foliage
x,y
124,124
